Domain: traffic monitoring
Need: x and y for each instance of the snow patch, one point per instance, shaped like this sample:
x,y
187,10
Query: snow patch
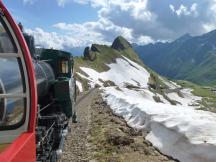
x,y
120,73
187,98
184,133
79,85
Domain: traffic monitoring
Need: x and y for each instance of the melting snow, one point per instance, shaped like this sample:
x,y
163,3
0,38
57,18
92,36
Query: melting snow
x,y
121,72
79,85
187,98
180,131
184,133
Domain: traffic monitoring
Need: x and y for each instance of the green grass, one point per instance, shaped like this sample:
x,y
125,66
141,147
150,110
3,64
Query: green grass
x,y
197,89
209,98
106,56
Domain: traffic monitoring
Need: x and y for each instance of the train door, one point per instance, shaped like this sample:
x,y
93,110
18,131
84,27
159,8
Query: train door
x,y
17,94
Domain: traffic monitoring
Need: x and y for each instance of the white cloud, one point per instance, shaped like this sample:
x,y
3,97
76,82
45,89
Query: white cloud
x,y
185,11
103,31
139,21
194,7
78,38
93,30
172,8
209,27
142,40
46,39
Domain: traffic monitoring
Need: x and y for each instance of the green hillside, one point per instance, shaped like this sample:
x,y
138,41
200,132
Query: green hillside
x,y
205,71
187,58
207,93
98,56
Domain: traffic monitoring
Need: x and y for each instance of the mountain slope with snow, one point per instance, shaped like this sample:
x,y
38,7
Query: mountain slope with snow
x,y
163,109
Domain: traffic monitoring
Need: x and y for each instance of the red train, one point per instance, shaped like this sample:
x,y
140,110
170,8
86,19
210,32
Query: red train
x,y
37,95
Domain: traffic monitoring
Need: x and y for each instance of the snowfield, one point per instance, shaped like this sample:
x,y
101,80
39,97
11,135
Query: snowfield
x,y
187,100
184,133
121,72
180,131
79,85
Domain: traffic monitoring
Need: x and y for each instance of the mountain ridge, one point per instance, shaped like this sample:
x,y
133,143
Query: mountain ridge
x,y
184,59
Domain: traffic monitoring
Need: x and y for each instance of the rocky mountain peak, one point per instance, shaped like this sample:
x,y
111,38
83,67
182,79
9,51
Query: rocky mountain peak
x,y
120,43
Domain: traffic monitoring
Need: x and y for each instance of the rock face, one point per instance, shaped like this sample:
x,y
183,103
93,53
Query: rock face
x,y
89,54
121,43
94,48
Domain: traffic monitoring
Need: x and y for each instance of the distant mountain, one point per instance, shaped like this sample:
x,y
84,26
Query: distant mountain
x,y
187,58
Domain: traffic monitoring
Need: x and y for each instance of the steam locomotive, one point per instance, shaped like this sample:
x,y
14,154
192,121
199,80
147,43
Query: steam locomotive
x,y
37,96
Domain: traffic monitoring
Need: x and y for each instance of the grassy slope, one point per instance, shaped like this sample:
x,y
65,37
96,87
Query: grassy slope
x,y
209,97
203,73
108,55
105,56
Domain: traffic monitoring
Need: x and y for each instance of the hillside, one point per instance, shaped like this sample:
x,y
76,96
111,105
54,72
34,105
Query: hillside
x,y
164,110
187,58
101,58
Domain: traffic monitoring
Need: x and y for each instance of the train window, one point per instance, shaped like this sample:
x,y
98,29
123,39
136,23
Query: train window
x,y
14,111
6,43
12,89
10,75
64,66
12,107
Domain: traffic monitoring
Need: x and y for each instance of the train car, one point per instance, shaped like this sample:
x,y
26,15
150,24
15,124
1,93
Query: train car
x,y
37,96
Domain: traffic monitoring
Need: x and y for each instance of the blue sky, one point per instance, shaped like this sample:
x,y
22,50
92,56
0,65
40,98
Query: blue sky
x,y
67,24
45,13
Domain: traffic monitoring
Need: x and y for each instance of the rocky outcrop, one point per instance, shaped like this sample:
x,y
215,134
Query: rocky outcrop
x,y
89,54
95,48
121,43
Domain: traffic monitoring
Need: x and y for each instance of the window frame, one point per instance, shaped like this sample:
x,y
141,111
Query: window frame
x,y
63,60
4,24
9,133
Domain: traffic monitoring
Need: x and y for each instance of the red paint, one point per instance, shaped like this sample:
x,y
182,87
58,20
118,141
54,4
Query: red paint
x,y
23,149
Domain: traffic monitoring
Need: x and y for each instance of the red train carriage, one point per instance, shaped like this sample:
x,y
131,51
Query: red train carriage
x,y
36,97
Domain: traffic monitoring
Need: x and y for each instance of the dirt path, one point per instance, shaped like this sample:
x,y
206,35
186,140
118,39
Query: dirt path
x,y
76,144
100,136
